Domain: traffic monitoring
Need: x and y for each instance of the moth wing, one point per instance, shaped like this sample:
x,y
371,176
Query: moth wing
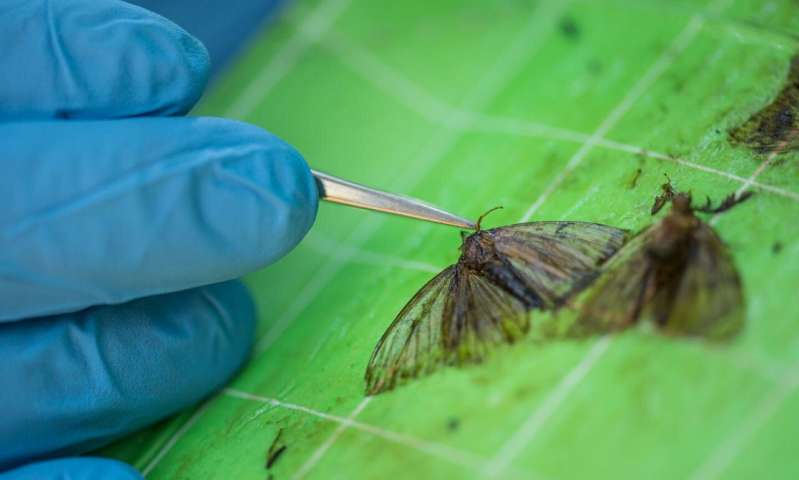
x,y
617,298
557,259
708,301
411,346
479,316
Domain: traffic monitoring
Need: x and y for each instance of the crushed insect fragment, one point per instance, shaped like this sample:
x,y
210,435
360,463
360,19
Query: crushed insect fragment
x,y
678,271
776,248
634,180
484,299
276,449
774,127
453,424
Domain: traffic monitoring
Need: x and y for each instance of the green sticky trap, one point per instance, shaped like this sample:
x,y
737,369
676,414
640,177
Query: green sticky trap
x,y
557,111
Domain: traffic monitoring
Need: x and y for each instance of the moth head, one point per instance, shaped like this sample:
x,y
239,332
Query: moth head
x,y
476,247
681,202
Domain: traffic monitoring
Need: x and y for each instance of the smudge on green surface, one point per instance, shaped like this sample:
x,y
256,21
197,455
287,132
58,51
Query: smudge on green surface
x,y
776,248
774,126
568,28
453,424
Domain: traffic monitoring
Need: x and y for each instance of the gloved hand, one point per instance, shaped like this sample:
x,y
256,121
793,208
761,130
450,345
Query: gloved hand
x,y
122,224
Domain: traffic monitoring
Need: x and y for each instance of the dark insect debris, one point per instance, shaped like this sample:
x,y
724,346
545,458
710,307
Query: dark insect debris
x,y
276,449
773,128
678,271
568,28
453,424
634,179
484,298
776,248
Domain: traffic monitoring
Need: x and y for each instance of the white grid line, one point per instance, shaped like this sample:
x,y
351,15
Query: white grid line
x,y
320,452
760,168
724,455
721,458
530,428
433,109
314,26
521,49
445,452
455,456
175,437
751,180
663,62
522,437
387,80
454,119
485,91
662,156
318,21
582,201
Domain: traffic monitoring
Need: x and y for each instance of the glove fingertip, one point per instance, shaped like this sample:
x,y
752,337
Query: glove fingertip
x,y
276,190
74,468
306,204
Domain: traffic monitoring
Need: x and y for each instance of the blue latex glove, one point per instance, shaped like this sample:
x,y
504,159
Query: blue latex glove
x,y
121,229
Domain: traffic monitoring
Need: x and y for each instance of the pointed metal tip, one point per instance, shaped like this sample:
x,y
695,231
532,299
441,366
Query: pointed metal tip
x,y
342,191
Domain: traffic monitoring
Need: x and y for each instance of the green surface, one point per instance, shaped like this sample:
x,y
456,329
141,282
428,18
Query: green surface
x,y
472,104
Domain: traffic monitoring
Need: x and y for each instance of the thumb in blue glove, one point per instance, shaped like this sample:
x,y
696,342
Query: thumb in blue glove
x,y
122,230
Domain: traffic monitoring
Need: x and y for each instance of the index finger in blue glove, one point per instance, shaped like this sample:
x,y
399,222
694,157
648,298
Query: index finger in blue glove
x,y
95,59
107,211
80,468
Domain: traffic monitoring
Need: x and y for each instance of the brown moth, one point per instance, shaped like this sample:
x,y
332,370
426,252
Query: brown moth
x,y
484,298
678,271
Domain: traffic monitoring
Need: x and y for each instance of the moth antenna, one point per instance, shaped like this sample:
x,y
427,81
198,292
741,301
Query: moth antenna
x,y
480,220
729,201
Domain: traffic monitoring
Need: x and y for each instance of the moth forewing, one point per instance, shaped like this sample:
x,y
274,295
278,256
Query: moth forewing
x,y
556,259
709,299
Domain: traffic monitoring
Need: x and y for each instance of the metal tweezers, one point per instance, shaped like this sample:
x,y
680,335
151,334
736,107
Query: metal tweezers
x,y
341,191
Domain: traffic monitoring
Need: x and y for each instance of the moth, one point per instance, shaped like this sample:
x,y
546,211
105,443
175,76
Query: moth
x,y
484,298
677,271
775,128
